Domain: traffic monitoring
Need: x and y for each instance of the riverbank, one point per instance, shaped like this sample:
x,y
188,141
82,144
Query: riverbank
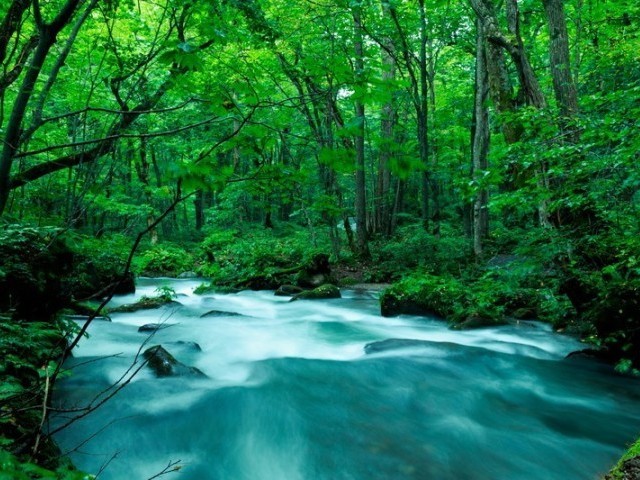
x,y
30,352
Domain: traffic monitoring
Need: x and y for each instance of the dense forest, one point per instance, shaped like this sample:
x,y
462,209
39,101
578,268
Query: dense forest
x,y
480,156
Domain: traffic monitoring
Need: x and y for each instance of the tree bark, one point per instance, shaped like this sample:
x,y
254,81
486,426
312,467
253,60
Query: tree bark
x,y
383,205
422,113
480,147
563,85
361,199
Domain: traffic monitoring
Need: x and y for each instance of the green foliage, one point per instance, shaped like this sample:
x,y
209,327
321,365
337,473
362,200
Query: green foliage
x,y
34,262
12,468
511,288
440,295
411,248
231,256
165,260
166,293
97,263
29,352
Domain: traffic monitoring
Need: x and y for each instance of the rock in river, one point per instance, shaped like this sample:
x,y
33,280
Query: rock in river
x,y
165,365
323,292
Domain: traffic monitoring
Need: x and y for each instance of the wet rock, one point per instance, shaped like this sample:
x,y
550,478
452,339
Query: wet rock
x,y
321,293
600,355
154,327
394,344
164,364
145,303
629,470
288,291
220,313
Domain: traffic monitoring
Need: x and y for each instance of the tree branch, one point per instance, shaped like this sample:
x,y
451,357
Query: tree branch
x,y
111,138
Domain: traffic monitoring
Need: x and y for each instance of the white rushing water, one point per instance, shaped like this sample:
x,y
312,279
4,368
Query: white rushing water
x,y
291,394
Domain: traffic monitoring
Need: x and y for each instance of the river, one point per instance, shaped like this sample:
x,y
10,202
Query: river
x,y
291,395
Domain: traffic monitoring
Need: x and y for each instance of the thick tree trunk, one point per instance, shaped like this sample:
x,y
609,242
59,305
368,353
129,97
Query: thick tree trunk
x,y
563,85
480,146
529,93
360,200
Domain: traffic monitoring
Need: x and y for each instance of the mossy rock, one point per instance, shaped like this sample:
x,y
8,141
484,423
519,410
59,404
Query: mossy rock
x,y
462,304
628,467
322,292
145,303
423,295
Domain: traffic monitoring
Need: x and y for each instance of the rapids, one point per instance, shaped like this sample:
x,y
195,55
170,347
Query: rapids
x,y
291,395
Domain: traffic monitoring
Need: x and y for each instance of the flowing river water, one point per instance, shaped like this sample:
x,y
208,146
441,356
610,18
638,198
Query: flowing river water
x,y
291,395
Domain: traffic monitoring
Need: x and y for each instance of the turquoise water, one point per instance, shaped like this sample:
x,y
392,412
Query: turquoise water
x,y
291,395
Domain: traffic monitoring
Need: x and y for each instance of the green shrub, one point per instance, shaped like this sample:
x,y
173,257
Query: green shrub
x,y
97,263
29,352
414,248
229,257
443,296
165,260
12,468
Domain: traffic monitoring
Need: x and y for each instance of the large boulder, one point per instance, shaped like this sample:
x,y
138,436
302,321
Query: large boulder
x,y
320,293
164,364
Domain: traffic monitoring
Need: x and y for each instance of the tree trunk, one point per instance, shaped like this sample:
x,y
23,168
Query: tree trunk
x,y
530,91
47,37
198,208
480,147
563,85
361,201
388,116
422,113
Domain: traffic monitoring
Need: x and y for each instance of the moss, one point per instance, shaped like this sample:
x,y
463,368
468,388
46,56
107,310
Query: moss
x,y
165,295
423,294
320,293
627,465
145,303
